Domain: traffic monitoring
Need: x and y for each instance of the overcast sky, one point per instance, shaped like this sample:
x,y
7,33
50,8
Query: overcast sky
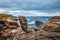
x,y
30,7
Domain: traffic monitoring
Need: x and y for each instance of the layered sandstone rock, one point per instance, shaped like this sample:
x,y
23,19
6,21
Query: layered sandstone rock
x,y
53,25
45,35
55,19
50,27
24,24
50,31
9,30
6,26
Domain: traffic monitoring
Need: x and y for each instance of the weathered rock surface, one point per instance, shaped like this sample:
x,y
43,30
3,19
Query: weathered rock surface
x,y
9,30
50,31
40,35
55,19
50,27
44,35
35,28
53,25
24,24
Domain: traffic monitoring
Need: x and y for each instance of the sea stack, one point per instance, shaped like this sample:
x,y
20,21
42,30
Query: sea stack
x,y
24,24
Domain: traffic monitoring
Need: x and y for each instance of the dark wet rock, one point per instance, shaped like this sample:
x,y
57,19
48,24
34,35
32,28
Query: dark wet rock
x,y
55,19
38,23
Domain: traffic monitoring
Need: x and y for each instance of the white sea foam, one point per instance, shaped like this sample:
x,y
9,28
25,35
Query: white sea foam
x,y
28,19
31,22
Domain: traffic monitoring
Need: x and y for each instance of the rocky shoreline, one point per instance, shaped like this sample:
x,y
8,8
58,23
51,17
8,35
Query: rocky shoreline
x,y
10,30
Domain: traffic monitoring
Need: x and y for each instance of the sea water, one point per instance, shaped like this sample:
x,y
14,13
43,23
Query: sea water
x,y
32,19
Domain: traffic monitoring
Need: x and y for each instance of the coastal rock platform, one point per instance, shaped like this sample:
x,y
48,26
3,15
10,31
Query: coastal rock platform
x,y
10,30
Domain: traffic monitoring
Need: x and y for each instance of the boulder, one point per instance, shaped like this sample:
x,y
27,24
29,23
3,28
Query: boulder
x,y
38,23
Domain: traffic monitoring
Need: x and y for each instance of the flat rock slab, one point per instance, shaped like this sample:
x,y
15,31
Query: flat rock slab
x,y
43,35
40,35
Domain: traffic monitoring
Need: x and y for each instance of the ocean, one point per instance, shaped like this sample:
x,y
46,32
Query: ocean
x,y
32,19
